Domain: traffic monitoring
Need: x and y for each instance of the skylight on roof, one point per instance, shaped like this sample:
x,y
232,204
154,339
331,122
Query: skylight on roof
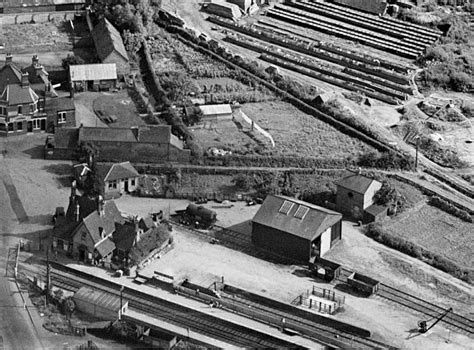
x,y
286,207
301,212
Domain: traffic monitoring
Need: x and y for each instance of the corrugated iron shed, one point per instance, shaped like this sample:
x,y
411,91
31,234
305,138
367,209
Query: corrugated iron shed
x,y
98,297
87,72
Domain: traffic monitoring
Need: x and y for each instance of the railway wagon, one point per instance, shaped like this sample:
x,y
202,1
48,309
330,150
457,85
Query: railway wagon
x,y
363,284
325,269
199,216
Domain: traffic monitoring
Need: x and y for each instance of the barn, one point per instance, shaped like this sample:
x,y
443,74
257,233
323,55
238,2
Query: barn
x,y
294,228
93,77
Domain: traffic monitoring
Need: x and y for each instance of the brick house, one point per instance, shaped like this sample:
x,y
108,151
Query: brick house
x,y
28,102
85,232
110,47
295,229
153,144
118,178
355,194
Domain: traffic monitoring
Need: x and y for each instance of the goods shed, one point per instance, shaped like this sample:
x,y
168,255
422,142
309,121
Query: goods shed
x,y
99,303
294,228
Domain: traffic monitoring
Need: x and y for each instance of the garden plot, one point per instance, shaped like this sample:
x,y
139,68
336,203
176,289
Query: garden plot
x,y
438,232
298,134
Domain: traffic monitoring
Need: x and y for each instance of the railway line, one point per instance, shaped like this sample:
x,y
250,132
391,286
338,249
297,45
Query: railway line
x,y
453,321
170,312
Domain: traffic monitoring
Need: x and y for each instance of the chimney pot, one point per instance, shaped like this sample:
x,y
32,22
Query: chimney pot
x,y
77,212
8,58
100,205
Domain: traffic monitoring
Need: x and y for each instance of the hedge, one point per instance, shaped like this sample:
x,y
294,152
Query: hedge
x,y
449,208
378,233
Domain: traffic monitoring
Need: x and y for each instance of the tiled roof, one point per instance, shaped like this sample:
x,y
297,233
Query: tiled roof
x,y
99,71
151,134
107,39
215,109
9,74
314,221
16,95
116,171
93,222
105,247
356,183
58,104
155,134
92,296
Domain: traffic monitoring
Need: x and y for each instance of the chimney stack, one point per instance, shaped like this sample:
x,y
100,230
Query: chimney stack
x,y
73,189
8,59
77,213
35,60
100,205
24,80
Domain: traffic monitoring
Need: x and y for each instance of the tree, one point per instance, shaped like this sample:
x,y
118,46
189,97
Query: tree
x,y
71,60
243,182
68,306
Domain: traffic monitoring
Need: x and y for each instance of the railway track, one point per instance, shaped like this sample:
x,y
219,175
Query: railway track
x,y
452,320
173,313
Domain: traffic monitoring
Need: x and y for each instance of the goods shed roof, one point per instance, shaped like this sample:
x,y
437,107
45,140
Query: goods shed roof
x,y
98,297
296,217
99,71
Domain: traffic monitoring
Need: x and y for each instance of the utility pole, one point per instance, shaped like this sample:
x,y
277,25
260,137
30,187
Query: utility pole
x,y
48,275
121,293
416,154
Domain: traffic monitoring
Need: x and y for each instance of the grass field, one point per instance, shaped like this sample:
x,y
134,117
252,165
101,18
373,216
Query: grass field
x,y
438,232
298,134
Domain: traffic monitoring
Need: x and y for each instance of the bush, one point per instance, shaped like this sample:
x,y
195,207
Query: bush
x,y
385,160
449,208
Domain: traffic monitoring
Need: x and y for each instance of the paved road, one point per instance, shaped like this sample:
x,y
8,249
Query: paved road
x,y
15,326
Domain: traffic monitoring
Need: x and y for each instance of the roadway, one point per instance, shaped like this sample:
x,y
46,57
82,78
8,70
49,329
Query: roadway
x,y
16,327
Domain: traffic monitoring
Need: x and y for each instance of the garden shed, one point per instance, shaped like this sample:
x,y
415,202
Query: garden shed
x,y
214,113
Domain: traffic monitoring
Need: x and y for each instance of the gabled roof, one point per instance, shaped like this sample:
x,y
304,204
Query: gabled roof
x,y
99,71
296,217
105,247
95,222
151,134
9,74
215,109
17,95
107,39
356,183
116,171
59,104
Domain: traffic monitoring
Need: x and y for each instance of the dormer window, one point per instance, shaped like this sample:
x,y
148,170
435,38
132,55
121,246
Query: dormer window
x,y
102,232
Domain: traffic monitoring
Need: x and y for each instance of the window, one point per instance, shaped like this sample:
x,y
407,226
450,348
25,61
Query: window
x,y
10,127
350,195
3,110
36,123
3,127
33,108
286,207
112,185
61,117
301,212
19,126
83,236
20,109
132,182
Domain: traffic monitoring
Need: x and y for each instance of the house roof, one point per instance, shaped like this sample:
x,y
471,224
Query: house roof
x,y
59,104
116,171
356,183
94,222
66,138
296,217
105,247
14,94
107,39
98,71
9,74
215,109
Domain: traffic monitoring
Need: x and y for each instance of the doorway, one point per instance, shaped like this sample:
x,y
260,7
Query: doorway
x,y
126,185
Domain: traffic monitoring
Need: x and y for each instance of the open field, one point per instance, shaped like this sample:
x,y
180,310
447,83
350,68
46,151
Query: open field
x,y
298,134
438,232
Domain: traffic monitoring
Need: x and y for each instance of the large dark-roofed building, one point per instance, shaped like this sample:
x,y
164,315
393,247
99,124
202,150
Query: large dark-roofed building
x,y
109,46
294,228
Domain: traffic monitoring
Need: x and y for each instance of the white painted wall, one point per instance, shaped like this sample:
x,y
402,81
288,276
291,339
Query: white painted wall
x,y
325,242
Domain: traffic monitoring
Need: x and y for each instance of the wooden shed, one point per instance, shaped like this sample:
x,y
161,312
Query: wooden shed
x,y
99,303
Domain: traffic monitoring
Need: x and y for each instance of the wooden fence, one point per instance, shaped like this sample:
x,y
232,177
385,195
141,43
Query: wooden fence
x,y
328,308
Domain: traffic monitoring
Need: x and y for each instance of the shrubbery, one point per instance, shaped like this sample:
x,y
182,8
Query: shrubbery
x,y
385,160
378,233
449,208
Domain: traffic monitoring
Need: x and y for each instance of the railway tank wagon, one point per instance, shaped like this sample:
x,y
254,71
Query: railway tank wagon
x,y
199,216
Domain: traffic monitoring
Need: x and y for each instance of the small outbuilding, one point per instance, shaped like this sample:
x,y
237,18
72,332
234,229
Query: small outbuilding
x,y
118,178
223,9
355,194
375,213
295,229
93,77
99,303
214,113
